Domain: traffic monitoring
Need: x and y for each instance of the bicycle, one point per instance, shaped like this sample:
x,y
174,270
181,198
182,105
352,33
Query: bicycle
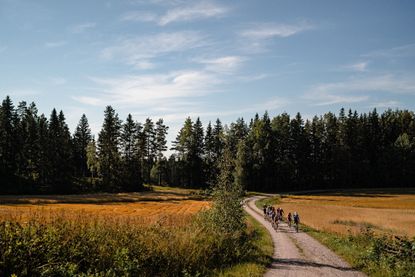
x,y
296,226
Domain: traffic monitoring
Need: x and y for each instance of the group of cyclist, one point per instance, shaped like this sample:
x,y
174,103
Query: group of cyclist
x,y
275,216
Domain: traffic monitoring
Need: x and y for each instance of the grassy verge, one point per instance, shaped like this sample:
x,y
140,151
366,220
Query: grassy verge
x,y
261,255
378,256
268,201
119,247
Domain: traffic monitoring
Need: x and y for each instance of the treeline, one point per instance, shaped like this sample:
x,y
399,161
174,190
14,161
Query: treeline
x,y
348,150
39,154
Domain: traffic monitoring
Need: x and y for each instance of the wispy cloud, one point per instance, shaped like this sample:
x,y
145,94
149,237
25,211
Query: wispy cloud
x,y
80,28
3,49
351,91
22,92
271,104
407,50
386,104
359,66
180,13
55,44
197,11
272,30
225,64
139,51
148,89
140,16
57,81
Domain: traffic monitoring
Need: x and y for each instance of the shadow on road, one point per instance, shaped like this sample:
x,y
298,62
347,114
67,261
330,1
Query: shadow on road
x,y
284,263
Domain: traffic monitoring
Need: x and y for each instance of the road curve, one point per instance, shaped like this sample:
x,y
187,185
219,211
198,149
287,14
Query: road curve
x,y
298,254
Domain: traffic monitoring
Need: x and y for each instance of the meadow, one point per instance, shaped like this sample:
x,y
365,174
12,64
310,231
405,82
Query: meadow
x,y
374,230
383,211
163,232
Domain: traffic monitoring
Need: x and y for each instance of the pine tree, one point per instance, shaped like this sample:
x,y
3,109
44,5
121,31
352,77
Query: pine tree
x,y
108,147
131,168
209,161
161,146
241,165
8,145
30,147
160,138
148,141
81,138
183,146
196,154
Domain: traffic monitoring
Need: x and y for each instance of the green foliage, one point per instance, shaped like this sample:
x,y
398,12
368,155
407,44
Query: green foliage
x,y
282,153
108,149
226,212
376,255
111,247
269,201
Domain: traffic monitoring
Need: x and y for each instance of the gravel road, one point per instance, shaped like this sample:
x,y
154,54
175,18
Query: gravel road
x,y
298,254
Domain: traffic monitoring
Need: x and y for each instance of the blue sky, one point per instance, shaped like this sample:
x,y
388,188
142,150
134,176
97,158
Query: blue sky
x,y
225,59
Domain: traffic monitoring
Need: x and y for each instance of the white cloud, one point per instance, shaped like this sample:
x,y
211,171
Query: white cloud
x,y
55,44
386,104
325,99
407,50
181,12
359,67
187,13
149,89
139,50
141,16
351,91
80,28
271,30
225,64
252,78
57,81
22,92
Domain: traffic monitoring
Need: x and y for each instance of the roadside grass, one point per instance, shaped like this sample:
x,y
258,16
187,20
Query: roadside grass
x,y
268,201
122,234
385,212
368,228
377,256
261,256
94,246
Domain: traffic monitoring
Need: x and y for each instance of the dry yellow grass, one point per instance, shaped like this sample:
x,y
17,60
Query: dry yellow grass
x,y
170,207
384,212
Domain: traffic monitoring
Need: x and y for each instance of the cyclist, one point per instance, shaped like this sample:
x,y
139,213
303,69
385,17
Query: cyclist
x,y
289,219
265,211
296,218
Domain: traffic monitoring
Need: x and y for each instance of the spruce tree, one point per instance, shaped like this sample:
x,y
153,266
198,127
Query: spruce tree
x,y
161,146
131,169
196,154
81,138
108,149
8,142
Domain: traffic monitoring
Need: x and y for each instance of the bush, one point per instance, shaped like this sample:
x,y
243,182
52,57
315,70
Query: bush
x,y
115,248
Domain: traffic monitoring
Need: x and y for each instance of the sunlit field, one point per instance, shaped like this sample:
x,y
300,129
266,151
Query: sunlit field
x,y
167,207
384,211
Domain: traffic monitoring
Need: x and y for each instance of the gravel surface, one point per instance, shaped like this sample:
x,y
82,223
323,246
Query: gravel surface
x,y
298,254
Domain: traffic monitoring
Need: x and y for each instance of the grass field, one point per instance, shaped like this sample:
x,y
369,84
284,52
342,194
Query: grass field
x,y
167,206
384,211
152,233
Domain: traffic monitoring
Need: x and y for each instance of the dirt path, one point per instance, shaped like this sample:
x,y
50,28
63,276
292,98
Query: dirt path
x,y
298,254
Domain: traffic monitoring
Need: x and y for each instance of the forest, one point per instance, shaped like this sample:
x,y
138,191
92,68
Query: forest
x,y
38,154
